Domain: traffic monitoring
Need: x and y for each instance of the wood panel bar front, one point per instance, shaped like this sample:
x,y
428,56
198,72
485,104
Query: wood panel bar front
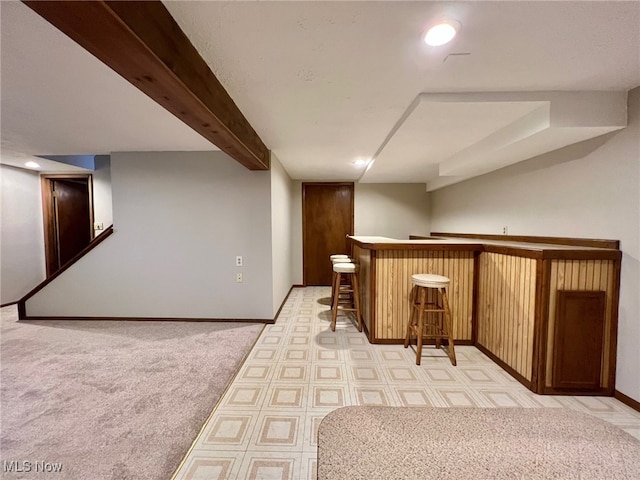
x,y
385,284
506,309
503,297
394,269
363,258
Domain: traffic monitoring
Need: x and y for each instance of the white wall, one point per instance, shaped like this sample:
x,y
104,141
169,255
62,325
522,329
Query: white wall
x,y
590,190
21,233
281,204
179,221
102,202
394,210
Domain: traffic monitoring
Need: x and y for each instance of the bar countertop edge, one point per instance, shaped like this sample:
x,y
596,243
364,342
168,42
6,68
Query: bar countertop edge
x,y
536,250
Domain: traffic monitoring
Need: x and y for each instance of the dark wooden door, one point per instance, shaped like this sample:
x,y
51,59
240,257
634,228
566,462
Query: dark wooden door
x,y
327,219
579,339
68,218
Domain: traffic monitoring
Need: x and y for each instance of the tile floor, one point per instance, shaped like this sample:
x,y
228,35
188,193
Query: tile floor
x,y
265,425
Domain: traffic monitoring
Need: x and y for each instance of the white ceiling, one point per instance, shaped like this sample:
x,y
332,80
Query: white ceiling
x,y
58,99
324,83
19,159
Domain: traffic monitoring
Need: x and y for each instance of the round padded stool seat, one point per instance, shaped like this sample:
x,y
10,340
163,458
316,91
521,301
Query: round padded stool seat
x,y
429,280
344,267
341,260
338,255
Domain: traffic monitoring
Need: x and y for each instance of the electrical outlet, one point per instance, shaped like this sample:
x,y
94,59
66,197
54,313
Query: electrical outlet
x,y
239,261
239,277
505,230
98,226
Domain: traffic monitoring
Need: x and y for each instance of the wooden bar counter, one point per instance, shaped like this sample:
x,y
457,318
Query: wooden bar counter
x,y
546,312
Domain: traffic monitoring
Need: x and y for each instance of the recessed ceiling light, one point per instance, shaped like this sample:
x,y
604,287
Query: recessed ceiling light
x,y
361,162
441,32
31,165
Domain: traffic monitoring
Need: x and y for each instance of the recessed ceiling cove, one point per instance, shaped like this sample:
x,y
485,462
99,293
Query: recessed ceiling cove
x,y
445,138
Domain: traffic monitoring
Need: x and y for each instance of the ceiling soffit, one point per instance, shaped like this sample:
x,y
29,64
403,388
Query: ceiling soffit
x,y
446,138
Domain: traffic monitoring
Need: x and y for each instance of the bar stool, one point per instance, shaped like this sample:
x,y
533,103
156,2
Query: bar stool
x,y
430,328
336,259
348,270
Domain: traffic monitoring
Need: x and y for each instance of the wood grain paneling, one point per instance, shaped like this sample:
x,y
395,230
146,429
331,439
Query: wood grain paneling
x,y
506,309
543,275
393,270
363,259
583,275
505,300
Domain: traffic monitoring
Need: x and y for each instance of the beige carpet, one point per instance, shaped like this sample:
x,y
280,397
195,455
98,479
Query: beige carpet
x,y
110,400
472,443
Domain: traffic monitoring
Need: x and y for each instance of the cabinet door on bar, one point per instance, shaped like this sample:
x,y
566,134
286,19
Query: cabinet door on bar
x,y
579,335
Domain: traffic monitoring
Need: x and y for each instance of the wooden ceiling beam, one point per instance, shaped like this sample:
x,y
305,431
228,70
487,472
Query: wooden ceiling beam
x,y
142,42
